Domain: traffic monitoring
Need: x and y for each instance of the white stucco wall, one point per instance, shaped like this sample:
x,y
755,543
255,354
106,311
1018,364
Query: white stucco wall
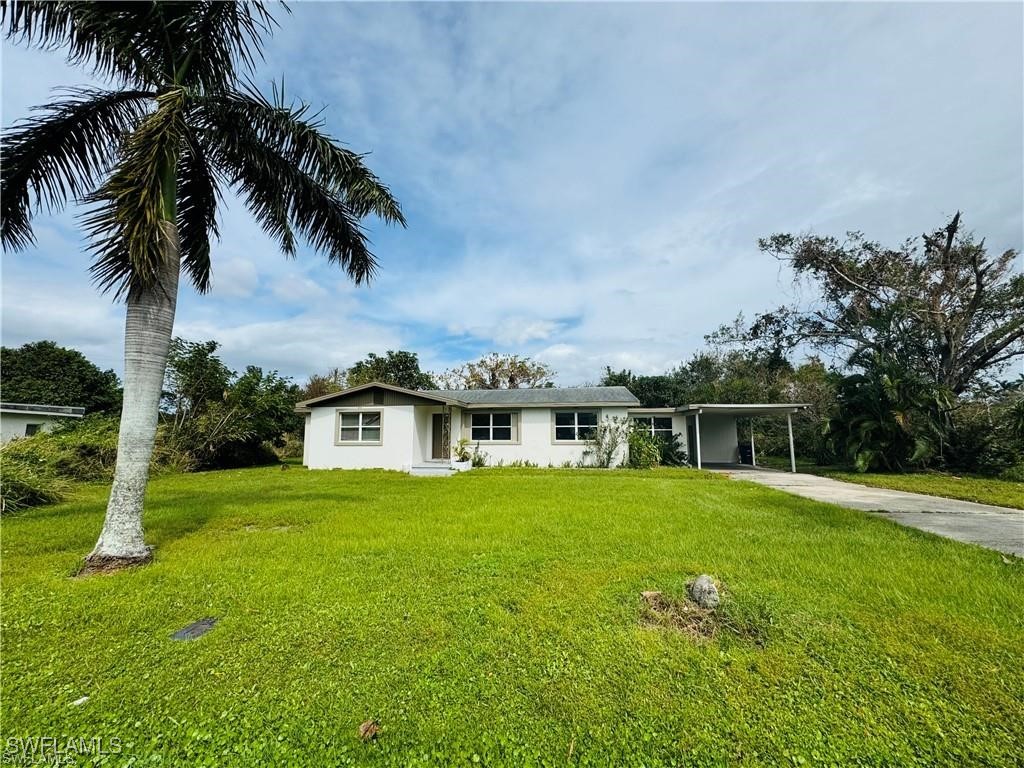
x,y
13,425
536,439
718,440
407,439
396,451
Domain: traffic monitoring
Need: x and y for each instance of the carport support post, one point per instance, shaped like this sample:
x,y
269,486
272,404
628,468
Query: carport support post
x,y
696,433
792,452
753,455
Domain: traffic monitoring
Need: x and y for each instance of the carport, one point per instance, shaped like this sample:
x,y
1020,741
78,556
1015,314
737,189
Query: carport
x,y
718,431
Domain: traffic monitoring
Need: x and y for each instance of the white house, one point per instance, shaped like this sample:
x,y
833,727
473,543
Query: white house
x,y
25,419
383,426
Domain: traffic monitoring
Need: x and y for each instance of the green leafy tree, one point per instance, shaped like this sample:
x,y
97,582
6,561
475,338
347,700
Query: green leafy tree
x,y
214,418
940,304
399,368
43,372
496,371
659,391
319,384
152,155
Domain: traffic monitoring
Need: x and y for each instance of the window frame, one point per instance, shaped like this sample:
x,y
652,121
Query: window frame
x,y
515,425
651,429
555,440
339,412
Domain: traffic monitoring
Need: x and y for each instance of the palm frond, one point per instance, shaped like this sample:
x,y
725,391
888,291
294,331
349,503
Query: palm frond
x,y
197,213
295,132
282,195
113,39
61,153
126,223
220,36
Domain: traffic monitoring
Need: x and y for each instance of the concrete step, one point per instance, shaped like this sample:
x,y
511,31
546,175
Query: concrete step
x,y
432,470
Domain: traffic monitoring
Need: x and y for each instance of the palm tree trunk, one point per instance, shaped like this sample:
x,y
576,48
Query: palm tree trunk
x,y
149,322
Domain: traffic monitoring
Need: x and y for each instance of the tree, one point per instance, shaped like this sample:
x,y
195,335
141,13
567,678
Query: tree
x,y
151,157
319,384
42,372
940,303
216,418
399,368
195,376
495,371
660,391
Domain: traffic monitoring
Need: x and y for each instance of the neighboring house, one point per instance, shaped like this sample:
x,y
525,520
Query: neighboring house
x,y
383,426
25,419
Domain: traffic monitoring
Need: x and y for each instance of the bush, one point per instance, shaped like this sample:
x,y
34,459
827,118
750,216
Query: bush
x,y
23,485
39,469
607,439
644,449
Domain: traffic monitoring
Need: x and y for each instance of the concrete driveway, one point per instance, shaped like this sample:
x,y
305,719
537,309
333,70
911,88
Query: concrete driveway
x,y
997,528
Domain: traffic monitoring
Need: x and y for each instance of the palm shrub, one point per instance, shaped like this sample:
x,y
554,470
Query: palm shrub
x,y
888,417
152,154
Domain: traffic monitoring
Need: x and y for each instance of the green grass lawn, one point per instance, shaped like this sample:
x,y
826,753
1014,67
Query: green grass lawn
x,y
985,490
494,618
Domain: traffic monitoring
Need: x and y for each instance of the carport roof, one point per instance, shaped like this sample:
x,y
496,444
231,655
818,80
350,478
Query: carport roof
x,y
743,409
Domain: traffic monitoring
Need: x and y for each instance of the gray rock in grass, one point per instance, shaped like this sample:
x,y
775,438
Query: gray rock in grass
x,y
704,592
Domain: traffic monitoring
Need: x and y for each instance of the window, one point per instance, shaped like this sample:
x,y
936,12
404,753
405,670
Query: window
x,y
359,427
491,427
31,429
575,425
659,426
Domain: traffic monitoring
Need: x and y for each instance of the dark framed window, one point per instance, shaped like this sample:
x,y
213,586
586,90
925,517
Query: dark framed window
x,y
31,429
492,426
659,426
574,426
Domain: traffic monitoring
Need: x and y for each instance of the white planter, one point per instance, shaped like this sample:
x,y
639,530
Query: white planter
x,y
462,466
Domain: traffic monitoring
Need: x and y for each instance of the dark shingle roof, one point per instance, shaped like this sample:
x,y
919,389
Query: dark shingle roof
x,y
539,397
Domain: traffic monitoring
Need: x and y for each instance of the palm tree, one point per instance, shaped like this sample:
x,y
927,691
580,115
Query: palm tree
x,y
152,157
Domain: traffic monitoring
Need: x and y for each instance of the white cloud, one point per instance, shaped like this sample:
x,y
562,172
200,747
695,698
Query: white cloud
x,y
586,183
234,278
295,289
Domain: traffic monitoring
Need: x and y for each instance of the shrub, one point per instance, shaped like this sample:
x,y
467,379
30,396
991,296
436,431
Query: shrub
x,y
606,441
23,484
672,453
644,449
291,446
76,450
460,451
479,458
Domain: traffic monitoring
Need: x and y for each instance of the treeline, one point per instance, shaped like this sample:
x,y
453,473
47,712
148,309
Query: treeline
x,y
210,418
402,369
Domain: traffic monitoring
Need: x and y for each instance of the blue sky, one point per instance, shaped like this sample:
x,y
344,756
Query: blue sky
x,y
584,183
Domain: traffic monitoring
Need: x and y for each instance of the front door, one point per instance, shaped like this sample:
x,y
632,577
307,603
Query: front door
x,y
439,443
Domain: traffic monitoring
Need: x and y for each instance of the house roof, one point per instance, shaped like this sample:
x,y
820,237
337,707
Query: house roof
x,y
547,396
743,409
36,409
304,405
501,398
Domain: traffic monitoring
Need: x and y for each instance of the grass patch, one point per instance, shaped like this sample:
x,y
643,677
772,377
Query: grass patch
x,y
493,618
984,490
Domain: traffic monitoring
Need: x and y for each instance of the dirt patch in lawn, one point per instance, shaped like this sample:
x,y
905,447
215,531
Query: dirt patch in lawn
x,y
661,611
94,566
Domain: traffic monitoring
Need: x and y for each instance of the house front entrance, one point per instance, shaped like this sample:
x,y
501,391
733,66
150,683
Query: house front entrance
x,y
439,436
